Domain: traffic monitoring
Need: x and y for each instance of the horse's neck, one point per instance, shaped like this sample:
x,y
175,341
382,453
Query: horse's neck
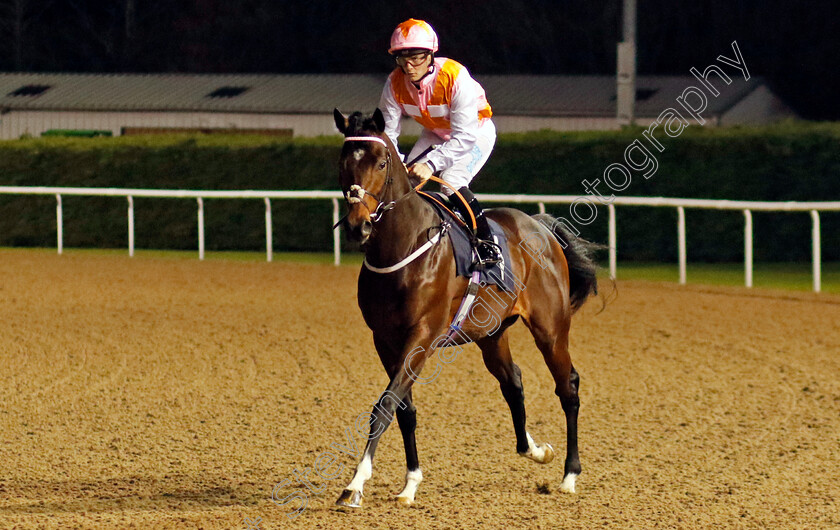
x,y
398,229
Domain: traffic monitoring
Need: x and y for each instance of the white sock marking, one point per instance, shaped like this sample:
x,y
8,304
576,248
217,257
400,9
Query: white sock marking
x,y
568,484
363,472
534,451
412,480
542,453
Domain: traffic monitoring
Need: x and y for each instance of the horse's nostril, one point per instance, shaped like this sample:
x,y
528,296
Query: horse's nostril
x,y
366,228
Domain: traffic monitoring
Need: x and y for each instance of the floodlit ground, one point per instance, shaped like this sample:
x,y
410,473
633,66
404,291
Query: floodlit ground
x,y
160,392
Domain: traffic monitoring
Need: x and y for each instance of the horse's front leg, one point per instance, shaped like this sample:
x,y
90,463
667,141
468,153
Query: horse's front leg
x,y
407,418
396,396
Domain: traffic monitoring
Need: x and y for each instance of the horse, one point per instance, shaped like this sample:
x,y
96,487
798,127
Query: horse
x,y
409,307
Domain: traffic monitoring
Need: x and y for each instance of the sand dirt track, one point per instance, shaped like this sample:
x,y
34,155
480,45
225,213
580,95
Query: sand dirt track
x,y
171,393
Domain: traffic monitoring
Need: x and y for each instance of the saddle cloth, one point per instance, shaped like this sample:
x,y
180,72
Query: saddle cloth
x,y
496,274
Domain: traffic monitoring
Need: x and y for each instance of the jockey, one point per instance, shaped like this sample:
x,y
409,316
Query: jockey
x,y
458,134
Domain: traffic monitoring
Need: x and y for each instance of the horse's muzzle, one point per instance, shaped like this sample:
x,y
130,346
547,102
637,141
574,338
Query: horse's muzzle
x,y
360,232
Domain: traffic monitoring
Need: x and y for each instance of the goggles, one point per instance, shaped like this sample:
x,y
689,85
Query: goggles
x,y
414,59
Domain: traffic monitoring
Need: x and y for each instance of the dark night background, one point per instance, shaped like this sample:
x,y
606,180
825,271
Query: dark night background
x,y
794,45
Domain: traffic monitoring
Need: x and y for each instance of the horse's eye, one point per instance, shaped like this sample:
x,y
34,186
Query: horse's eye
x,y
382,165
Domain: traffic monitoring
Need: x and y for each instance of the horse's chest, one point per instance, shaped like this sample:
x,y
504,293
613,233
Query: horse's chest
x,y
384,309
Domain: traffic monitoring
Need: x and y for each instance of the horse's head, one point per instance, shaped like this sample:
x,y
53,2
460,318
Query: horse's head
x,y
364,170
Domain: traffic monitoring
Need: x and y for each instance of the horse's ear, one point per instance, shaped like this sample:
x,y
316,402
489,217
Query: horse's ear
x,y
379,120
340,121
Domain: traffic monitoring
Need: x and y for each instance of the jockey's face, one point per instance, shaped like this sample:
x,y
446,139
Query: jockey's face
x,y
415,63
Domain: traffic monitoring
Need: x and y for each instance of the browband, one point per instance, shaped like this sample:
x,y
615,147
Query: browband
x,y
365,139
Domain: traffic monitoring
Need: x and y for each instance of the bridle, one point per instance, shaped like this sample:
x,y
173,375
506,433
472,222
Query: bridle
x,y
356,193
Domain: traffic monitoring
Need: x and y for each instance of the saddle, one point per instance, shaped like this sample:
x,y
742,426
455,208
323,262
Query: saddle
x,y
461,239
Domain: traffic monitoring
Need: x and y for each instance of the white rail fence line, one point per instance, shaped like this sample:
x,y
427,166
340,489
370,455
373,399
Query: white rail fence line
x,y
747,207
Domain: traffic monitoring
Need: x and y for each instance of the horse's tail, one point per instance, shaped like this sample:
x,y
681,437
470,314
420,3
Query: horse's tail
x,y
580,255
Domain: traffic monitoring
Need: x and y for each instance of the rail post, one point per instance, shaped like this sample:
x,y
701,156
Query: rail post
x,y
748,249
130,226
336,234
269,244
200,228
816,250
59,224
613,241
681,241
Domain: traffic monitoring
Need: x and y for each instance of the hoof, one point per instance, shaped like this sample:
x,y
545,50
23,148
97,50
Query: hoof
x,y
405,501
541,454
350,499
568,484
549,454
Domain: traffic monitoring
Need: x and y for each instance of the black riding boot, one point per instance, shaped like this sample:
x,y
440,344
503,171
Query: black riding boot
x,y
488,251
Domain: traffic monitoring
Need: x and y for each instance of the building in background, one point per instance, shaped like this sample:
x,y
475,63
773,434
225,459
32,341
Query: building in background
x,y
302,105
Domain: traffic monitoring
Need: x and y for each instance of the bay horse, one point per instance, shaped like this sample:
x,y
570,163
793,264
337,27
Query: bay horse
x,y
408,307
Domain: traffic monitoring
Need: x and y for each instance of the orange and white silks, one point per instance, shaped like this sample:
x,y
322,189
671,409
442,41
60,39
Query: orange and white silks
x,y
430,105
448,102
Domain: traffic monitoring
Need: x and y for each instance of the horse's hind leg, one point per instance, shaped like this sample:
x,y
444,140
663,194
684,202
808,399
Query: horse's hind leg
x,y
571,403
552,338
496,353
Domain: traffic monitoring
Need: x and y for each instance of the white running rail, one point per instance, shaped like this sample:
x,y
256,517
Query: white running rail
x,y
747,207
